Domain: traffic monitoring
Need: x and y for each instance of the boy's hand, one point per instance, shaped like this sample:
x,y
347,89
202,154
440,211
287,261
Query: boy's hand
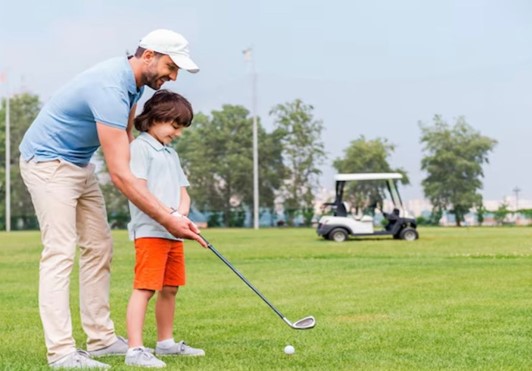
x,y
181,227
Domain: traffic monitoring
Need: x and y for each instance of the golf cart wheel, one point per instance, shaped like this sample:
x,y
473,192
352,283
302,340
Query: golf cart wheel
x,y
409,234
338,235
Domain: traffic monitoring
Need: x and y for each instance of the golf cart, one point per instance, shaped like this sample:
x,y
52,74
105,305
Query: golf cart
x,y
343,223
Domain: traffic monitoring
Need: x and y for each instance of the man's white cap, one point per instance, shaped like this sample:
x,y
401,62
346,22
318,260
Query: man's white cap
x,y
172,44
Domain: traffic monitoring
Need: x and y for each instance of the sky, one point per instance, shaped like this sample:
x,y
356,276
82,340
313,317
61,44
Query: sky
x,y
373,68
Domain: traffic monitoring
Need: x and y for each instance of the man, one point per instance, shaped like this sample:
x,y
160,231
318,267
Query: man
x,y
95,109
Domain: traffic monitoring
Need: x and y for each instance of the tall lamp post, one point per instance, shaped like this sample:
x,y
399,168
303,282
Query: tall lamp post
x,y
248,56
516,190
8,160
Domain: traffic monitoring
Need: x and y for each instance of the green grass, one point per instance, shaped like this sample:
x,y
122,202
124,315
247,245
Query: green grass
x,y
455,299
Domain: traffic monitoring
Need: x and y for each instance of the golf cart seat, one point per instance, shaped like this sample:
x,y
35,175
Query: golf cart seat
x,y
366,218
341,209
392,218
338,209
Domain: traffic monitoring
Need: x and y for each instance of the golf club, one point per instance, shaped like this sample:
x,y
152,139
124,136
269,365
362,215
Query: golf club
x,y
303,324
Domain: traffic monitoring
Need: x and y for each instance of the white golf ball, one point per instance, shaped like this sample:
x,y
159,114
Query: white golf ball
x,y
289,349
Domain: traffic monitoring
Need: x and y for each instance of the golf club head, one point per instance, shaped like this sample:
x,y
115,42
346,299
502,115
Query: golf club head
x,y
303,324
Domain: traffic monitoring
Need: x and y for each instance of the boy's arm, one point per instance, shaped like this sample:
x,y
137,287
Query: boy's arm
x,y
184,204
115,147
131,123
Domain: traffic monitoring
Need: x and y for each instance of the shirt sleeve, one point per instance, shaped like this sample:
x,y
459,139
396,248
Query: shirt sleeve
x,y
140,159
110,106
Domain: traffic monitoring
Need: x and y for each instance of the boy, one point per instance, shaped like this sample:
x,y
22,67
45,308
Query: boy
x,y
160,264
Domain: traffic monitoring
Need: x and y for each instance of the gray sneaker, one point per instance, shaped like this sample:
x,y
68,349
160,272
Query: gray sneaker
x,y
78,359
118,348
179,349
141,357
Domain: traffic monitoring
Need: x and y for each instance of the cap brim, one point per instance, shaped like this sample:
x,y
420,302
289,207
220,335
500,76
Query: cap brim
x,y
184,63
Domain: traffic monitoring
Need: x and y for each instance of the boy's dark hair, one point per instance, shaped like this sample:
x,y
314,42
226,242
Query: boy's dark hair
x,y
165,106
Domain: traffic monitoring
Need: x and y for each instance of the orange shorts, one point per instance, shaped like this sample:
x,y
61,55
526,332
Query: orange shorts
x,y
159,262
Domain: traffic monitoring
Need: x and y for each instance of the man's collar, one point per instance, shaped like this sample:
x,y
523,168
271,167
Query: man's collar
x,y
131,83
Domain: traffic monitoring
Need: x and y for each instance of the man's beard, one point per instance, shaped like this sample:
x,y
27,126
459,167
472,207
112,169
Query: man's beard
x,y
154,82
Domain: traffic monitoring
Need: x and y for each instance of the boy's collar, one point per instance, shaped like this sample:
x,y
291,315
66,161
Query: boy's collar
x,y
156,145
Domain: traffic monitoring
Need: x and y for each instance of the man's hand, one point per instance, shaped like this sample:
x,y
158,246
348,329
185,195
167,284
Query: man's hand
x,y
182,227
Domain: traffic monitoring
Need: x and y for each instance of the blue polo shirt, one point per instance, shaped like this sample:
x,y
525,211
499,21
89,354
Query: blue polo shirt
x,y
159,165
66,126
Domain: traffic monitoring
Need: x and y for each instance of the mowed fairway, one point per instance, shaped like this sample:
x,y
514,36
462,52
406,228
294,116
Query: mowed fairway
x,y
458,298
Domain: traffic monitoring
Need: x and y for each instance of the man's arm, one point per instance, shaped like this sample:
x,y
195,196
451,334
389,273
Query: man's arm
x,y
115,147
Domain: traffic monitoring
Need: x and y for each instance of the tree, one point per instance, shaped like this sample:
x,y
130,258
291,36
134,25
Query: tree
x,y
367,156
216,154
435,216
23,110
501,213
453,161
481,212
527,213
303,153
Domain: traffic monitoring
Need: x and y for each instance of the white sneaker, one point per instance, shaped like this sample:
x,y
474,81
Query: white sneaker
x,y
141,357
78,359
179,349
118,348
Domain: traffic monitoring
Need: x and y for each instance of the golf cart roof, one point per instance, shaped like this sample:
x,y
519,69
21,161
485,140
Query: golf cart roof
x,y
367,176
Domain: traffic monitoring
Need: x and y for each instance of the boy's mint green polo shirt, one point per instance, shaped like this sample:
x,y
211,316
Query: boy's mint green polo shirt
x,y
160,166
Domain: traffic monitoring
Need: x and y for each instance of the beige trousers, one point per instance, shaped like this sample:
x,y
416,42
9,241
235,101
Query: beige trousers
x,y
71,212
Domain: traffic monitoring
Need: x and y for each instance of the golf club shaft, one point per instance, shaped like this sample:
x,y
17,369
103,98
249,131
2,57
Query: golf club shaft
x,y
222,258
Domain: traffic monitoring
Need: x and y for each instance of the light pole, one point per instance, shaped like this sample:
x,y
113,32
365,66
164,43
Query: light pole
x,y
516,190
8,163
249,57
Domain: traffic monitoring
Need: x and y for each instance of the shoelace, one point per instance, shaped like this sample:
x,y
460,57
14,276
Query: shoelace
x,y
144,353
82,352
147,355
80,355
182,346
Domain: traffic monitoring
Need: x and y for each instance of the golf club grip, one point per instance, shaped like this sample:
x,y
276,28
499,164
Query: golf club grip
x,y
222,258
